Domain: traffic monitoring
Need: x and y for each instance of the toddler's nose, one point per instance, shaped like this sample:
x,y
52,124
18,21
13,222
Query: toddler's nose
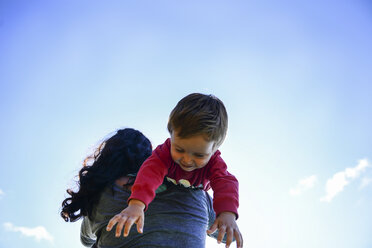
x,y
187,160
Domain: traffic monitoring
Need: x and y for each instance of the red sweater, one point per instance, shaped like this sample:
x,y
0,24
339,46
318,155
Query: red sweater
x,y
213,175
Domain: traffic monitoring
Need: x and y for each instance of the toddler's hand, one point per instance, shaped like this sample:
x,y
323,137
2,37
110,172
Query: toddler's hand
x,y
225,222
132,214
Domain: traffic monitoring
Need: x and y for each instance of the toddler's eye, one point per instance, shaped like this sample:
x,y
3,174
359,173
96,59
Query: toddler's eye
x,y
179,150
199,155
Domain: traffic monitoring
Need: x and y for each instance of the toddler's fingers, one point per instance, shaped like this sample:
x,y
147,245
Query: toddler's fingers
x,y
128,225
213,227
119,226
140,224
229,236
112,223
239,239
221,233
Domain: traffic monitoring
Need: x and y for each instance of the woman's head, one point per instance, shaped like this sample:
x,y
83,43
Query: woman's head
x,y
118,156
121,154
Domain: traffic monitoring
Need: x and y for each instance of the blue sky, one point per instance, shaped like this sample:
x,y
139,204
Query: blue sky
x,y
295,77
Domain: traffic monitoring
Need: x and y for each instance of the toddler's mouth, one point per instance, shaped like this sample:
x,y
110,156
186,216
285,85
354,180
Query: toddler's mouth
x,y
187,167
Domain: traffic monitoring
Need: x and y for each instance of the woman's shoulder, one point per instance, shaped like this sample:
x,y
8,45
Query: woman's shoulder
x,y
112,200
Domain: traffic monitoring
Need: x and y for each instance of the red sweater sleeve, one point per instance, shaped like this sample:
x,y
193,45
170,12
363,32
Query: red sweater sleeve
x,y
151,174
225,187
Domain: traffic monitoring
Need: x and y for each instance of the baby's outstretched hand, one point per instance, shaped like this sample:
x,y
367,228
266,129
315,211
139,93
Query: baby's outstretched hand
x,y
132,214
226,224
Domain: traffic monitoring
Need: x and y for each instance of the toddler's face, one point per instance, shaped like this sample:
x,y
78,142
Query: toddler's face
x,y
191,153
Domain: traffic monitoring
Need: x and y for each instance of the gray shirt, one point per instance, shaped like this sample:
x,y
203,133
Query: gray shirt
x,y
177,217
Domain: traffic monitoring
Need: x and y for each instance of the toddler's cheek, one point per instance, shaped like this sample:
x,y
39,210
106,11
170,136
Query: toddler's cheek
x,y
175,158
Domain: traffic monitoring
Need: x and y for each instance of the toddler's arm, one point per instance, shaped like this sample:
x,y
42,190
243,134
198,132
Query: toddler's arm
x,y
226,224
134,213
225,202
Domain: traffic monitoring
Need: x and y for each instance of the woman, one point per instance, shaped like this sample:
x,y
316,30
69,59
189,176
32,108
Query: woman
x,y
105,182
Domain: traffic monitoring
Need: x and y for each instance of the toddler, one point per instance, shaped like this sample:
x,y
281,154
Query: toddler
x,y
197,127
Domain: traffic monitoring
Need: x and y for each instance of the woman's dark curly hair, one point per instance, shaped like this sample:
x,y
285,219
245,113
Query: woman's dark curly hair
x,y
118,156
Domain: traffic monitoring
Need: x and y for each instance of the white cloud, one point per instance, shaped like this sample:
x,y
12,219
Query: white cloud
x,y
1,193
336,184
365,182
38,232
303,184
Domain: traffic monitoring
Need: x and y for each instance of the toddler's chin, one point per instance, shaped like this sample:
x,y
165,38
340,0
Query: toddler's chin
x,y
186,168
